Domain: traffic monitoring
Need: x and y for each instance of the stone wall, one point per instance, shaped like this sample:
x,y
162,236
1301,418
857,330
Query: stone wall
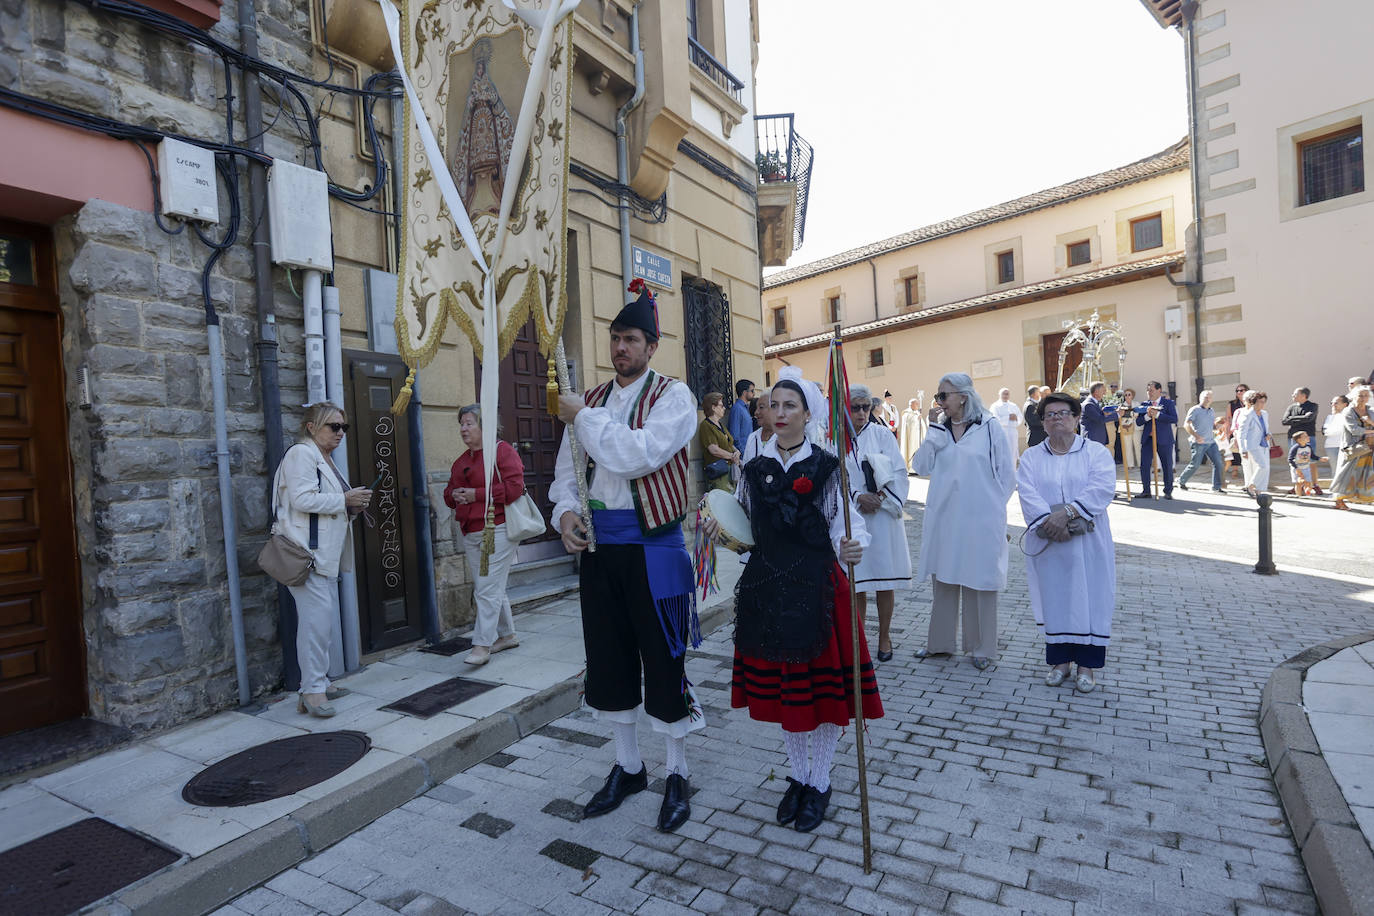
x,y
154,591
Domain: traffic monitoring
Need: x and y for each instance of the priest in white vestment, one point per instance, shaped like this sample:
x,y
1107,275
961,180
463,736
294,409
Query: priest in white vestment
x,y
912,430
878,484
1009,418
964,534
1066,483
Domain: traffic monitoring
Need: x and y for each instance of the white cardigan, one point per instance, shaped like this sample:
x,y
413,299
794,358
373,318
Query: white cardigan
x,y
305,484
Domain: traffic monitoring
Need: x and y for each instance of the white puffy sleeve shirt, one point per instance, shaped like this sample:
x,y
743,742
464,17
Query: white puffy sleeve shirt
x,y
964,533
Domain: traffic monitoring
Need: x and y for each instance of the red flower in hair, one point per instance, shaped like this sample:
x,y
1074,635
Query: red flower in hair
x,y
802,485
637,285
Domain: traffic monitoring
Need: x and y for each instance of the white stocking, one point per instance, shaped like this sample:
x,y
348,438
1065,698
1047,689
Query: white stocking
x,y
677,756
627,747
795,742
823,742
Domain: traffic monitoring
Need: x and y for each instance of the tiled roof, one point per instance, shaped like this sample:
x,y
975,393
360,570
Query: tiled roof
x,y
1060,286
1169,160
1166,12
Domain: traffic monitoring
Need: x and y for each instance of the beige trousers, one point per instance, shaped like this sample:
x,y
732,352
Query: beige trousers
x,y
980,620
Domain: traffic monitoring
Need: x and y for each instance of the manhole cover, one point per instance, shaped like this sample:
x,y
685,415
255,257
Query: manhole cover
x,y
449,647
275,769
62,871
433,700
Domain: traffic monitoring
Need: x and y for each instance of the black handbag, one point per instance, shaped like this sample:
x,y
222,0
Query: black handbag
x,y
718,468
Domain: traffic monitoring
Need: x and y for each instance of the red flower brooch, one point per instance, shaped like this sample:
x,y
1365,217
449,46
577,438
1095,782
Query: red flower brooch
x,y
802,485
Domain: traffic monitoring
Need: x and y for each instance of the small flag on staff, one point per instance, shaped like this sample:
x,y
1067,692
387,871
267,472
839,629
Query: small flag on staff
x,y
837,390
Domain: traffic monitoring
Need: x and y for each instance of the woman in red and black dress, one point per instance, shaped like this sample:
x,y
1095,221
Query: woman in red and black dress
x,y
793,636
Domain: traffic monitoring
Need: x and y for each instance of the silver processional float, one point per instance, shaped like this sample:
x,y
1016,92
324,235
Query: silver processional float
x,y
1096,337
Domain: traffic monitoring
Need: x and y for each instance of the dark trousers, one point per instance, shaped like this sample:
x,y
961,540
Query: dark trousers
x,y
1166,463
624,638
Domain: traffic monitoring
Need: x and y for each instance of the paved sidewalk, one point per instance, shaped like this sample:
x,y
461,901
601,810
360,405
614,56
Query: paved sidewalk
x,y
138,787
1339,696
990,792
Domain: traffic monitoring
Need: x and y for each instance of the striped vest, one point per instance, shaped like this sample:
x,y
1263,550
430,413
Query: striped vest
x,y
661,495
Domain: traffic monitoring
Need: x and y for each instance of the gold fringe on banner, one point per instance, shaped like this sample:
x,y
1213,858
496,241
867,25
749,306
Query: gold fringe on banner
x,y
488,538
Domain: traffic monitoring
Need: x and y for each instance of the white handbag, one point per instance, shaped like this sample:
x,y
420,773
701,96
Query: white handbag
x,y
523,518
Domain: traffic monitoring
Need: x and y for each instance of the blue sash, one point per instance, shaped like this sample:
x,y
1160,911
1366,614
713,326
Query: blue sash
x,y
669,571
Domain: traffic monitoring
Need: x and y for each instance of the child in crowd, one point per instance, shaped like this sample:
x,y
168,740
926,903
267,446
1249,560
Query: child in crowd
x,y
1301,460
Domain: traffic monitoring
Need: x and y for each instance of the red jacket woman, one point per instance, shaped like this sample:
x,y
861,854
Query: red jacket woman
x,y
466,492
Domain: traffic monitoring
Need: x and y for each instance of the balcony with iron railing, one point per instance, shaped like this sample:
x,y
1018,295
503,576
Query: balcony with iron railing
x,y
784,162
730,84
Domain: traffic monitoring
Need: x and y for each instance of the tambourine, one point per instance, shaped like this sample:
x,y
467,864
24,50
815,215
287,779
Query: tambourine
x,y
735,531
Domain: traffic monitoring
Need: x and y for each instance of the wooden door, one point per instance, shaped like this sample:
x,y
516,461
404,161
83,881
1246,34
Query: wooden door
x,y
42,651
526,424
1049,347
385,565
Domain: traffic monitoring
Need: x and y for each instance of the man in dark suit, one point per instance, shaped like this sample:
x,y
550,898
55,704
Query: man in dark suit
x,y
1156,419
1095,416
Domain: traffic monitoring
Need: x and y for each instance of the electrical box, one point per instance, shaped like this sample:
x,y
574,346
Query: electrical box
x,y
187,182
1173,320
298,210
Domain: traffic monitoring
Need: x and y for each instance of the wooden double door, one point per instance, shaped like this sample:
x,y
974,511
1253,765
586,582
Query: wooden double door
x,y
42,650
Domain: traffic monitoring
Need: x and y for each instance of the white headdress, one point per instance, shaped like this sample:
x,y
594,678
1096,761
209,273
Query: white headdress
x,y
815,403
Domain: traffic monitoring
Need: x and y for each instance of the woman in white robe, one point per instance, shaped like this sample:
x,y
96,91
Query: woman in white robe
x,y
1072,578
878,484
964,533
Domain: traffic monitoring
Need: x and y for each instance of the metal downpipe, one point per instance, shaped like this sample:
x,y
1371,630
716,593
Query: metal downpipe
x,y
266,344
1196,286
622,152
333,375
227,510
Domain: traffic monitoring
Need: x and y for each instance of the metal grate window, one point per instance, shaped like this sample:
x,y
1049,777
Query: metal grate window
x,y
1080,253
1332,166
1006,266
832,310
780,321
913,291
875,357
1147,232
710,359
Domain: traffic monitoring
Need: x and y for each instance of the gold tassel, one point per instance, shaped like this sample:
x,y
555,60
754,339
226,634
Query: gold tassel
x,y
488,539
552,387
403,399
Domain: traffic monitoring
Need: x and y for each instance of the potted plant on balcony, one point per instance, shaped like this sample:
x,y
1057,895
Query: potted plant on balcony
x,y
770,166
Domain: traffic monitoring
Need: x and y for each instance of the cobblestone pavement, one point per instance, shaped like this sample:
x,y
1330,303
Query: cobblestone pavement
x,y
990,792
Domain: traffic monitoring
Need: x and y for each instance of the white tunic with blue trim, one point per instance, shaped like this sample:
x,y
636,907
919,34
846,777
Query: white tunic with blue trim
x,y
1072,583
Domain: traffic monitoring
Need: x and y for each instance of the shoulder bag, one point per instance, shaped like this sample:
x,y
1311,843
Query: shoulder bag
x,y
1275,451
523,518
282,558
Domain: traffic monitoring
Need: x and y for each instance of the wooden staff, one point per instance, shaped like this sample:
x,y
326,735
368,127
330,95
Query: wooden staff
x,y
579,459
842,442
1154,468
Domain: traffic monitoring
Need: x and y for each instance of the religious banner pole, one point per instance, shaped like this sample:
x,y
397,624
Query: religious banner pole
x,y
564,386
842,434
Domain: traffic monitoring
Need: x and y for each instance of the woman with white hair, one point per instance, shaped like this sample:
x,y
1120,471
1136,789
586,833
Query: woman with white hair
x,y
878,485
964,534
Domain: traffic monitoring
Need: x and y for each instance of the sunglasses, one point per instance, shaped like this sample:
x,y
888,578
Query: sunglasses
x,y
338,427
941,395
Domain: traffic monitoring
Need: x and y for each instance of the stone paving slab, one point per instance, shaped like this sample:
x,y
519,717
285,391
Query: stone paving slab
x,y
989,792
229,850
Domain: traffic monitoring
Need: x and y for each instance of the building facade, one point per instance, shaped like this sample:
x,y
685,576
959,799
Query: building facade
x,y
117,600
992,293
1281,106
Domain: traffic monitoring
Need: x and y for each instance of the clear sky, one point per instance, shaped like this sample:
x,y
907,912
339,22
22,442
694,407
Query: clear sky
x,y
922,110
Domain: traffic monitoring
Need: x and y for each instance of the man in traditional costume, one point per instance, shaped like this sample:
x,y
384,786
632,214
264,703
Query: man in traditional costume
x,y
878,484
637,586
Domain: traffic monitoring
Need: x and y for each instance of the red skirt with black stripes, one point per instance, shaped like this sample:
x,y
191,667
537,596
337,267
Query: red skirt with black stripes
x,y
802,695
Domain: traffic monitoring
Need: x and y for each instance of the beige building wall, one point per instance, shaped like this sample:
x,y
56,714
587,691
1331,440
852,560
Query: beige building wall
x,y
1287,302
951,330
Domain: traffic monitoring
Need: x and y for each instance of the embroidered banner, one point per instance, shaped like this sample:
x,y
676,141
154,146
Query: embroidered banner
x,y
468,64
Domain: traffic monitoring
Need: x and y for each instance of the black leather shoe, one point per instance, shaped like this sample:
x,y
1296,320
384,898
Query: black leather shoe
x,y
787,808
618,786
883,656
811,811
676,804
